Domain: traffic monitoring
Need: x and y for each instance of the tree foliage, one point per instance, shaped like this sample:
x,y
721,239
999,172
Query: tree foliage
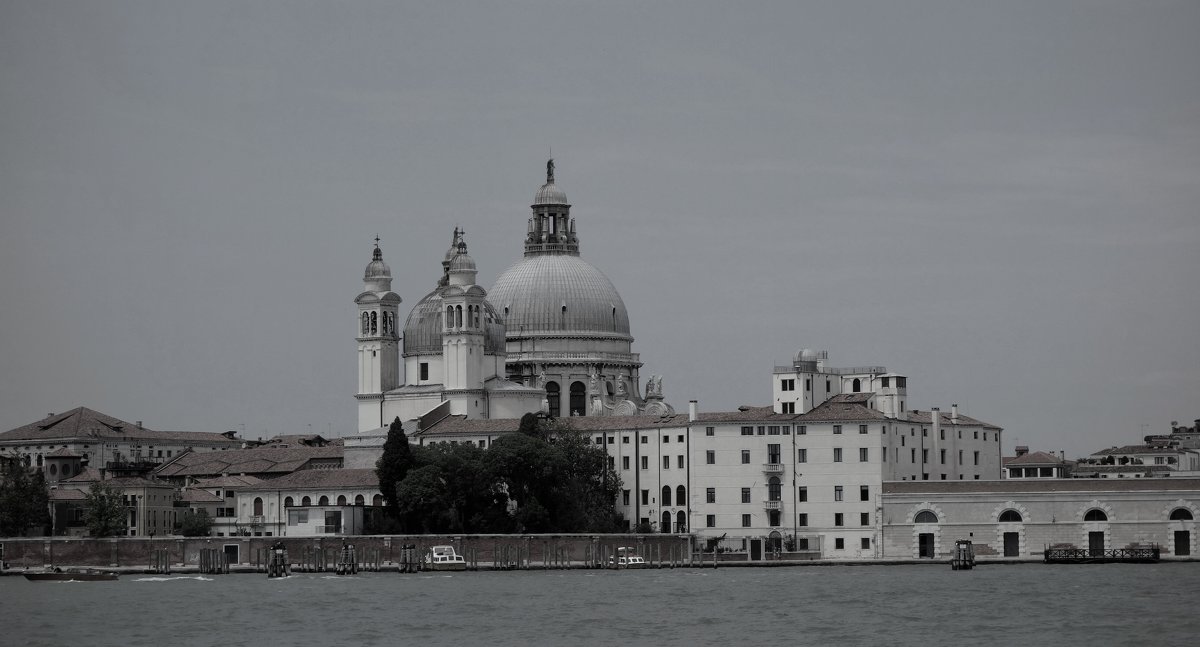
x,y
394,464
24,500
546,478
104,511
195,523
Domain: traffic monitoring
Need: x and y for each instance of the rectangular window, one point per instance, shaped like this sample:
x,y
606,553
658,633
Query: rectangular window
x,y
864,493
745,457
837,519
612,461
942,433
710,520
866,543
787,385
666,462
773,430
679,438
645,497
942,455
710,457
864,518
645,462
624,440
924,455
599,440
762,430
976,458
863,455
773,453
710,431
624,462
837,454
862,429
680,461
837,429
710,495
902,440
645,439
837,493
747,431
960,457
802,519
788,407
808,384
924,432
801,430
745,495
839,543
977,435
801,455
745,521
424,370
666,438
624,497
803,494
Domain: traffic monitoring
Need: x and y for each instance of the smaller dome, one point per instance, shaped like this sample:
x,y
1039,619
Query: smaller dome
x,y
377,269
550,194
462,263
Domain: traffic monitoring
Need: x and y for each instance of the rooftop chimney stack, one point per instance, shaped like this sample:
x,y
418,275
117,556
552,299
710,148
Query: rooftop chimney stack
x,y
691,411
954,414
935,414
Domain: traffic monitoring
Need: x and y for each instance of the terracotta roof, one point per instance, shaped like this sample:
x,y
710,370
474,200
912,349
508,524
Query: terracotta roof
x,y
843,408
63,452
1034,458
87,475
85,423
259,460
197,495
1140,449
323,479
239,481
926,418
1034,486
67,494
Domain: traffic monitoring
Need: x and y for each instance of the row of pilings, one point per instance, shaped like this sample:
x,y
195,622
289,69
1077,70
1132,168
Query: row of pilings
x,y
350,555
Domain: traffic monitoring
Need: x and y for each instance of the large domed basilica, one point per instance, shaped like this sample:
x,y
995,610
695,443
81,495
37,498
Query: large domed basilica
x,y
551,335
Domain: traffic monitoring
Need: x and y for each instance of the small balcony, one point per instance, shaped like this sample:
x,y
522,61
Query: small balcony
x,y
772,468
257,520
773,505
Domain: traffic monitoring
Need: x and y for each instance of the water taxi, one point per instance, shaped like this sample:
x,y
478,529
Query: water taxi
x,y
443,558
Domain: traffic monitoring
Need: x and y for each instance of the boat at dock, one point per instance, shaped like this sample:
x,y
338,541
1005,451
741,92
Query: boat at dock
x,y
444,558
74,575
628,558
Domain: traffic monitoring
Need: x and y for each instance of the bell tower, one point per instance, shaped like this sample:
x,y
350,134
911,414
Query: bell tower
x,y
378,341
463,328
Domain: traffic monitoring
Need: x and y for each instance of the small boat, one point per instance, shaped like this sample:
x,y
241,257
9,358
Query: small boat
x,y
628,558
443,558
72,575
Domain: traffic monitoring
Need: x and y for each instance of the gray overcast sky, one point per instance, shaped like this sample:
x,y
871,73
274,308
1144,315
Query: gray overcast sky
x,y
999,200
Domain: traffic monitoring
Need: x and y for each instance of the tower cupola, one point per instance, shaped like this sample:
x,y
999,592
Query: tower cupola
x,y
551,229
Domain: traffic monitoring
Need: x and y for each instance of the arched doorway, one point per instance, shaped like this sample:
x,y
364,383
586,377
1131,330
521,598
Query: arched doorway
x,y
680,521
553,398
578,399
666,522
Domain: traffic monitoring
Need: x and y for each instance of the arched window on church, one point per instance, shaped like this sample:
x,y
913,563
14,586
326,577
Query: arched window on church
x,y
476,324
366,323
287,502
857,385
449,316
374,322
578,399
458,317
552,397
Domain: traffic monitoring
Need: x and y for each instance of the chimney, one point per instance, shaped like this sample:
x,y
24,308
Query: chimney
x,y
691,411
936,415
139,424
954,414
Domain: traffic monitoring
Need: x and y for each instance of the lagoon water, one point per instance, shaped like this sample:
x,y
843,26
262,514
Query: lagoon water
x,y
1112,604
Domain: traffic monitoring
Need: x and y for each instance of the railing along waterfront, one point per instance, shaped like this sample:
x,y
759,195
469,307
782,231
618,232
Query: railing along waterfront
x,y
1095,555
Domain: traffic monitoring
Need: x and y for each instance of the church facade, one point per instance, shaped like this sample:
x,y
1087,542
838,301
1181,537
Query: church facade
x,y
552,335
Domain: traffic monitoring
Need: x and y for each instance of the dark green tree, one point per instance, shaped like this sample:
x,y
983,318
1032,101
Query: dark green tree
x,y
104,511
195,523
393,465
24,500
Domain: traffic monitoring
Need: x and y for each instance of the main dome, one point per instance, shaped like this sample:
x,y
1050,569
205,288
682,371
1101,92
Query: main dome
x,y
559,293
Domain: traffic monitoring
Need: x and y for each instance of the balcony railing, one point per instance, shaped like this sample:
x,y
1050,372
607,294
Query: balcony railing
x,y
773,505
773,468
257,520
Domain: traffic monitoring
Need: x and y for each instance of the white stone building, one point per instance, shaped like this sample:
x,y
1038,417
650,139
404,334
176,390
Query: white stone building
x,y
1020,518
